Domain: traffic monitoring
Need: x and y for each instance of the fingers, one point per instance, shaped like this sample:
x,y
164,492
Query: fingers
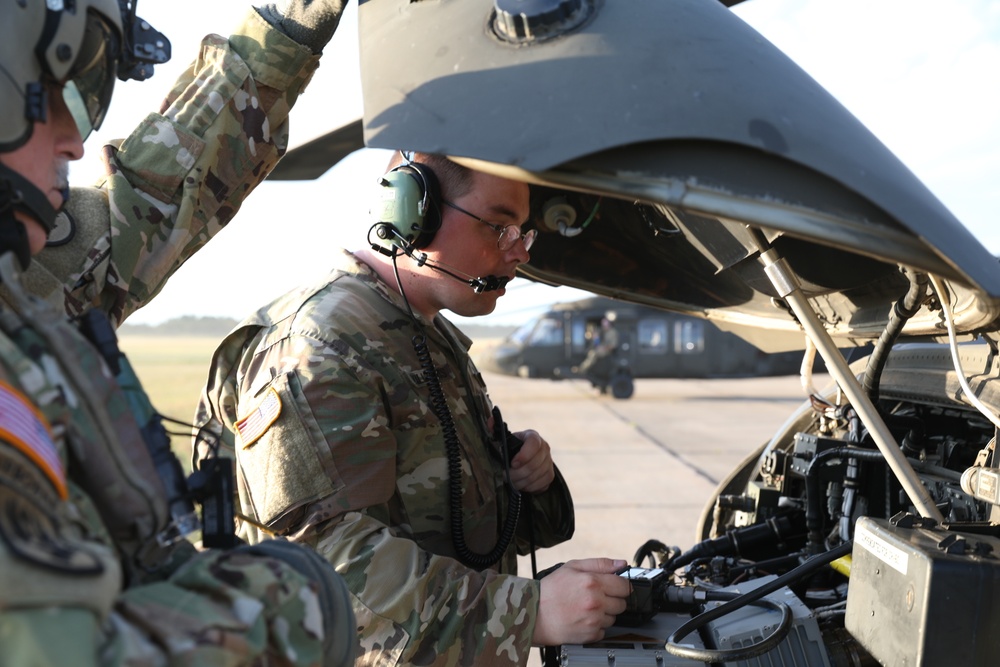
x,y
598,565
614,588
532,470
580,600
533,477
534,446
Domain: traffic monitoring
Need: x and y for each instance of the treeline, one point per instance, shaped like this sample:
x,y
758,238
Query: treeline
x,y
188,325
191,325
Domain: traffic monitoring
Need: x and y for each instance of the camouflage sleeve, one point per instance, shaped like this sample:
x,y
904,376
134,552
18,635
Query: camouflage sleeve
x,y
552,517
184,172
342,497
222,608
415,607
238,607
62,602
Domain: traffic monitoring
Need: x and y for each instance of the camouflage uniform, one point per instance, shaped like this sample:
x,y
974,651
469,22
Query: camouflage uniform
x,y
325,404
180,177
84,579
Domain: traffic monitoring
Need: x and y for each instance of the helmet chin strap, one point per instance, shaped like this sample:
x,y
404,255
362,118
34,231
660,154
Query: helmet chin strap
x,y
24,196
19,194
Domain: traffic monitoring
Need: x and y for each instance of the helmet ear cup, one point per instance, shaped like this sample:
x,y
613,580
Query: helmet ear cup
x,y
407,211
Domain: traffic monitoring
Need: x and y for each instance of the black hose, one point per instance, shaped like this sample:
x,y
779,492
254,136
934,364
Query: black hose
x,y
766,566
814,500
912,441
738,540
648,549
902,311
740,601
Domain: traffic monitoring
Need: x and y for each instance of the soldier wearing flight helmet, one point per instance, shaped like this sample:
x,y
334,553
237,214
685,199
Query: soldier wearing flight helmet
x,y
55,62
94,567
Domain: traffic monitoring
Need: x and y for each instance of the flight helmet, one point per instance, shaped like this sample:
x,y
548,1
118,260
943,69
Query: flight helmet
x,y
76,48
81,45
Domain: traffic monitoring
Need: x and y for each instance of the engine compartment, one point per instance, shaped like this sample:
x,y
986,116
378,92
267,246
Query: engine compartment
x,y
851,574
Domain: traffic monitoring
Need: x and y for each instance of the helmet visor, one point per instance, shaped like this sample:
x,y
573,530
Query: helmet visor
x,y
90,83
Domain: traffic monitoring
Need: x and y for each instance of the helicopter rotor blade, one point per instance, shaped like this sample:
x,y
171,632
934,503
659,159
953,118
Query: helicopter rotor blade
x,y
314,158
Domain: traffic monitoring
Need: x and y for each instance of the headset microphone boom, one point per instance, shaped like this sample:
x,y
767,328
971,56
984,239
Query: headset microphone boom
x,y
479,284
408,215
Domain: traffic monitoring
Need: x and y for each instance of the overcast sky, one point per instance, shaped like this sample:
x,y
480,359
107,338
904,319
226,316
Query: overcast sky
x,y
921,74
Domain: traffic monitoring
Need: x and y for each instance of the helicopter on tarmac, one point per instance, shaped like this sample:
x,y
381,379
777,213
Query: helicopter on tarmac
x,y
652,343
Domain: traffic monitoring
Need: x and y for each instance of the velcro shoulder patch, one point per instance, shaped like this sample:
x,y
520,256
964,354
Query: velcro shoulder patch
x,y
260,419
26,429
36,535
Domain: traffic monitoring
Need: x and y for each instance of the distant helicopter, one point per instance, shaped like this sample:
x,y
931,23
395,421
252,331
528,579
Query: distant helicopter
x,y
652,344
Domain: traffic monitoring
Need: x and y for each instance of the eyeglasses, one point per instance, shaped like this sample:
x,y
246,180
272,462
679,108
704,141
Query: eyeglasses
x,y
509,234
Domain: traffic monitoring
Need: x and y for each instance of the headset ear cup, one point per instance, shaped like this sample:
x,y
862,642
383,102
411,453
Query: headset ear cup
x,y
431,189
396,211
409,203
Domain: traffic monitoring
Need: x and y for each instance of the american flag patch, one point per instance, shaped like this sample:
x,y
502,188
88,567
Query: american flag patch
x,y
25,428
257,422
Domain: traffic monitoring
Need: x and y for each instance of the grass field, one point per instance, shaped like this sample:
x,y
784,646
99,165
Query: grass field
x,y
172,370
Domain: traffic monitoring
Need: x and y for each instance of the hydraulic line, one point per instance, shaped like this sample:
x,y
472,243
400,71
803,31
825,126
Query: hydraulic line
x,y
814,501
785,282
901,311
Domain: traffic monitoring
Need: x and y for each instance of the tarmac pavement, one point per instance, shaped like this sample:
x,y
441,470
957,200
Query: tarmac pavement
x,y
643,468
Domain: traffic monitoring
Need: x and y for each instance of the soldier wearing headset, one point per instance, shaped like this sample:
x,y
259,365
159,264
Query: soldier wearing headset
x,y
361,427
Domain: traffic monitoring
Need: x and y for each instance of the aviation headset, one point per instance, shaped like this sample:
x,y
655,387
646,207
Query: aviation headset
x,y
407,211
407,215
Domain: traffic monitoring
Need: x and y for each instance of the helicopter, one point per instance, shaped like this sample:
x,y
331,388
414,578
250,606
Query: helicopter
x,y
653,344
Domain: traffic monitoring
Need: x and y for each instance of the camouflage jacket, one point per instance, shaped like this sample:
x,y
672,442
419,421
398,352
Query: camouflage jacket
x,y
179,178
79,498
324,402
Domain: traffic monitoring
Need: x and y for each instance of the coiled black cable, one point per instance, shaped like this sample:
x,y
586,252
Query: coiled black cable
x,y
439,406
734,654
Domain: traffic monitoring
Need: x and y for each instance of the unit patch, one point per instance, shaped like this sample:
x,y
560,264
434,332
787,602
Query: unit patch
x,y
257,422
35,535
